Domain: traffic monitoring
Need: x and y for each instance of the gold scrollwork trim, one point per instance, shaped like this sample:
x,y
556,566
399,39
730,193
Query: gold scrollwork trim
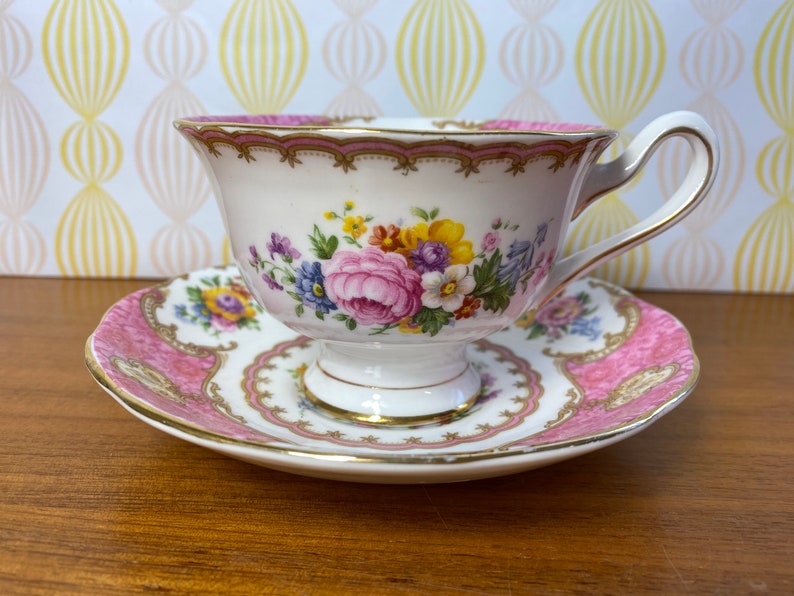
x,y
154,380
345,151
150,303
636,386
625,307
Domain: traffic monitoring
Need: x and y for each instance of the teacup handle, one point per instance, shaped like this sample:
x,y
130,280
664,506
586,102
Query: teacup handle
x,y
606,177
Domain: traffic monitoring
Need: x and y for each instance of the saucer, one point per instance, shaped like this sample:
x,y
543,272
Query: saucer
x,y
196,358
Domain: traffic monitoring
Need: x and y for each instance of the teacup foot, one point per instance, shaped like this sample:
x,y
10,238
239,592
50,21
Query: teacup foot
x,y
427,400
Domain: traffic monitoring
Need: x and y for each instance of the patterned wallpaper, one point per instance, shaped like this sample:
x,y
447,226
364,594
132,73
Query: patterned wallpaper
x,y
94,181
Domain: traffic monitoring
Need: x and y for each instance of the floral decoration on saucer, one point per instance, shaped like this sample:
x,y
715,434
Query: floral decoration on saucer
x,y
197,358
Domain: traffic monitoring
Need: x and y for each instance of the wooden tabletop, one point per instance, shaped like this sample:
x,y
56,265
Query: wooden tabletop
x,y
93,501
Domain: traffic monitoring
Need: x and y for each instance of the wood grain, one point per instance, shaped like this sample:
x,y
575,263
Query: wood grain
x,y
94,502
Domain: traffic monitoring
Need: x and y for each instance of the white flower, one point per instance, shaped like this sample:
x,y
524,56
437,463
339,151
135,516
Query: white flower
x,y
447,289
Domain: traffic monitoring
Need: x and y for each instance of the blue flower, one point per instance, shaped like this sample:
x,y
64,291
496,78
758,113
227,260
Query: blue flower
x,y
520,257
589,328
201,312
540,237
310,286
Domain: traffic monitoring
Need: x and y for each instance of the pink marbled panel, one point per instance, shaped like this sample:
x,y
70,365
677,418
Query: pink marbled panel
x,y
124,333
659,340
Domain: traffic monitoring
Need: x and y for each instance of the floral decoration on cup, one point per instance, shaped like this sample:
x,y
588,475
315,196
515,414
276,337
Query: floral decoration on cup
x,y
561,316
413,278
220,305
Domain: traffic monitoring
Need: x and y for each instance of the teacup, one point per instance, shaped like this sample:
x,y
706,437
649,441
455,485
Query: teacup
x,y
397,242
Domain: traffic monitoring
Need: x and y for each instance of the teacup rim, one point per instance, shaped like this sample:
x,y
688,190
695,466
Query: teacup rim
x,y
455,127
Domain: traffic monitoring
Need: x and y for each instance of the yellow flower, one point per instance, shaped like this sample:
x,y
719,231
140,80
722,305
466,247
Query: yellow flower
x,y
328,215
354,225
406,326
444,231
526,320
349,205
229,304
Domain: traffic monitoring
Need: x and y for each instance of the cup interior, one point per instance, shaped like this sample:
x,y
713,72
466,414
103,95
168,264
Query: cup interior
x,y
411,124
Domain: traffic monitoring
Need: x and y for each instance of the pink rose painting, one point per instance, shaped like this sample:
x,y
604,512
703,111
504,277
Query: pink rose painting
x,y
372,286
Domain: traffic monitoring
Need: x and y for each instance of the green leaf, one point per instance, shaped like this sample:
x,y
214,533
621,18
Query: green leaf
x,y
486,273
537,331
420,213
322,247
433,212
341,317
295,296
194,294
384,329
248,324
319,314
299,309
498,299
351,324
333,243
431,320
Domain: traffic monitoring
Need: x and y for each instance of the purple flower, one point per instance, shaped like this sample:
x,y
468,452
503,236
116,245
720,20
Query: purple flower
x,y
229,303
487,380
430,255
281,245
310,286
271,283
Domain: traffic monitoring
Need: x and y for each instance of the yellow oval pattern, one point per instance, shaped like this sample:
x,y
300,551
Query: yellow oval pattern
x,y
440,56
86,52
620,57
765,259
774,67
91,151
263,53
94,237
766,254
610,216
